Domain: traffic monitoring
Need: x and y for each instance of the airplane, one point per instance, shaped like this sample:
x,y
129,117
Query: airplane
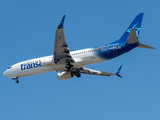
x,y
72,63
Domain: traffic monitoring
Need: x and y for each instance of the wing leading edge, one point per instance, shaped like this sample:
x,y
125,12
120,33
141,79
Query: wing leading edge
x,y
61,50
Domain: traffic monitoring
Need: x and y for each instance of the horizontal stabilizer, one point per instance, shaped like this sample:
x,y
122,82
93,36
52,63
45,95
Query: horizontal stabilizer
x,y
145,46
132,38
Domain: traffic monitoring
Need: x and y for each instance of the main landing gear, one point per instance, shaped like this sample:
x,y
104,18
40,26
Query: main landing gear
x,y
68,66
77,74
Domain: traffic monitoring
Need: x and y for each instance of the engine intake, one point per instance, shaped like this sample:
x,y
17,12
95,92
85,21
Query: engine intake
x,y
64,75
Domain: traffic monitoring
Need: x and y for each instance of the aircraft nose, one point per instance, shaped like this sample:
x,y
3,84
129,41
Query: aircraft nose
x,y
5,74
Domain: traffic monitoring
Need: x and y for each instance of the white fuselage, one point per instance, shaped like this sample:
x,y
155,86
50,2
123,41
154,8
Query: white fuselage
x,y
46,64
71,63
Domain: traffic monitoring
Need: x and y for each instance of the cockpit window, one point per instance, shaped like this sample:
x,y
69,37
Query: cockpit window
x,y
10,67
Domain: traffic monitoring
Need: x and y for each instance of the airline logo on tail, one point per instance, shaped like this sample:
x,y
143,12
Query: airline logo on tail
x,y
136,29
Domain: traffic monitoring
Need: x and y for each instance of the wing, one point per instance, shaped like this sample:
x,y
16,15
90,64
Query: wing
x,y
96,72
61,50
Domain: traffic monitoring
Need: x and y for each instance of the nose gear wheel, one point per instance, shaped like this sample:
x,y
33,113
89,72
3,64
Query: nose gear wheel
x,y
17,81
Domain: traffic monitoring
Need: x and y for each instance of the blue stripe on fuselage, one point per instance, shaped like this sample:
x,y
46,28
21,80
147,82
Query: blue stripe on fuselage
x,y
113,50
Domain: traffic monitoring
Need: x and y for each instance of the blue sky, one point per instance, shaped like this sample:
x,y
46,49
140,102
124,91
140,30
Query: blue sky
x,y
27,30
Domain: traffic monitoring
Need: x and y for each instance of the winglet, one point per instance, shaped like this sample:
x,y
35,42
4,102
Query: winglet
x,y
61,23
118,71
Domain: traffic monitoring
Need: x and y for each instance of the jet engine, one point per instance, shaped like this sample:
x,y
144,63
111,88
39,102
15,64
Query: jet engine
x,y
65,75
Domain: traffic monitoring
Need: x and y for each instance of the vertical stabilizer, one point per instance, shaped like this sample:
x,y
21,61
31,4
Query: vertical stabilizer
x,y
136,24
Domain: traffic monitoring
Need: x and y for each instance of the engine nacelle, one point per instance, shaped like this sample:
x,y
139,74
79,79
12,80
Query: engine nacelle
x,y
64,75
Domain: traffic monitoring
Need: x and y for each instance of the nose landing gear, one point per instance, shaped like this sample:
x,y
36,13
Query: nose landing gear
x,y
17,81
